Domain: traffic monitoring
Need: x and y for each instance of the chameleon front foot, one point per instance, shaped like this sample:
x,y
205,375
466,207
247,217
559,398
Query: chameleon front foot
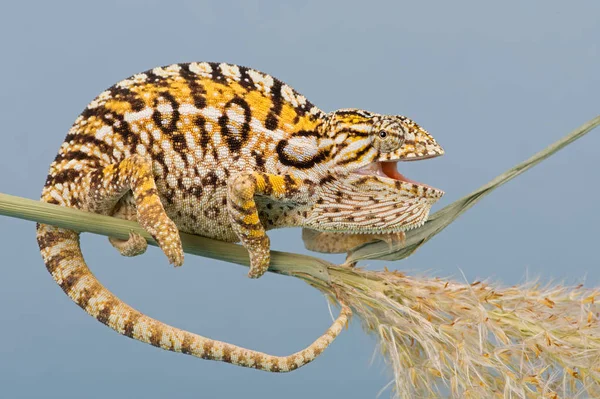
x,y
243,212
260,256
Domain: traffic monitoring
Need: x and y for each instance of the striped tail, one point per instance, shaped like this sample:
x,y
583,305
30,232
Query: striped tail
x,y
62,255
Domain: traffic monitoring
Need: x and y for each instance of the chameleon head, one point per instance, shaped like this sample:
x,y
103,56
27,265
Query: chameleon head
x,y
363,191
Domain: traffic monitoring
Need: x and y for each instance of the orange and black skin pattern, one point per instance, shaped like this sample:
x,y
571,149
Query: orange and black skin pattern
x,y
227,152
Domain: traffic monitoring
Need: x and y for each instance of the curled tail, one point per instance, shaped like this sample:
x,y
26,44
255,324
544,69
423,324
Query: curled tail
x,y
62,255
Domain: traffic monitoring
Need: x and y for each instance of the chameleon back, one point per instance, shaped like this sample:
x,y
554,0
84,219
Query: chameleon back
x,y
199,123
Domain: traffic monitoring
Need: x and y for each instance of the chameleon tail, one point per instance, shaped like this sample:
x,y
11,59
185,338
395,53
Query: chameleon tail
x,y
62,255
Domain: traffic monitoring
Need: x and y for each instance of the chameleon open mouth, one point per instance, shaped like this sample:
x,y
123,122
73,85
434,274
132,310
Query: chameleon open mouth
x,y
388,170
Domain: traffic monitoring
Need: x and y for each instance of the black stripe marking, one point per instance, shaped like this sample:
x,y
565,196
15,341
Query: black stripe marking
x,y
65,175
236,140
198,92
300,164
216,75
357,156
245,79
204,136
273,118
172,118
124,94
78,155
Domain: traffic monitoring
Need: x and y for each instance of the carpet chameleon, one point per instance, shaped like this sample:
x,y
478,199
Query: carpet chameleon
x,y
227,152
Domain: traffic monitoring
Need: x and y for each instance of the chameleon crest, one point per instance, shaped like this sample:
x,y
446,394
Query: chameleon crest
x,y
227,152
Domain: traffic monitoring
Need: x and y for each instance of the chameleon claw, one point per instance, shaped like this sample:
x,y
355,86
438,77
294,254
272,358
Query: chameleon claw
x,y
133,246
394,240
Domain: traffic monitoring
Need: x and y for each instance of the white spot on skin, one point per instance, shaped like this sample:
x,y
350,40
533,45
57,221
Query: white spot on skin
x,y
103,131
166,145
136,116
260,129
216,139
140,149
178,161
171,180
262,82
144,137
171,70
94,306
217,351
188,109
190,140
117,321
158,168
98,101
141,332
211,113
314,111
201,68
190,158
230,71
288,94
164,108
223,152
236,114
221,173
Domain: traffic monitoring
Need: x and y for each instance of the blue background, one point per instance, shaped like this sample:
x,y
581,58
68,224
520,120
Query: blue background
x,y
493,82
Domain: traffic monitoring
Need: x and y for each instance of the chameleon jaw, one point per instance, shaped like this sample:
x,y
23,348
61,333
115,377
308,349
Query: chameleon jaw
x,y
374,199
387,170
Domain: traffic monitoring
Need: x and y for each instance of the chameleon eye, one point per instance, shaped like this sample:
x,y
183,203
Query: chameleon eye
x,y
382,134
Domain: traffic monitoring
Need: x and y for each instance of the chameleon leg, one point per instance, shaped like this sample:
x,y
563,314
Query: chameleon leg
x,y
335,243
136,244
243,213
108,185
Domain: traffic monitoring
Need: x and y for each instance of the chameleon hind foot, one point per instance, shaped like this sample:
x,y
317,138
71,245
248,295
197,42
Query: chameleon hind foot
x,y
337,243
133,246
394,240
134,175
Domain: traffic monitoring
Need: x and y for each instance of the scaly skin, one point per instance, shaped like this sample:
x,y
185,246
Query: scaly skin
x,y
227,152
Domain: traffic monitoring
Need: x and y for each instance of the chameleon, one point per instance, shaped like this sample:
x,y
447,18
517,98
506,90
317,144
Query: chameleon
x,y
227,152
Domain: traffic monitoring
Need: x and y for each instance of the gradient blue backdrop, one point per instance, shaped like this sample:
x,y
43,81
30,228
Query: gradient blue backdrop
x,y
493,83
